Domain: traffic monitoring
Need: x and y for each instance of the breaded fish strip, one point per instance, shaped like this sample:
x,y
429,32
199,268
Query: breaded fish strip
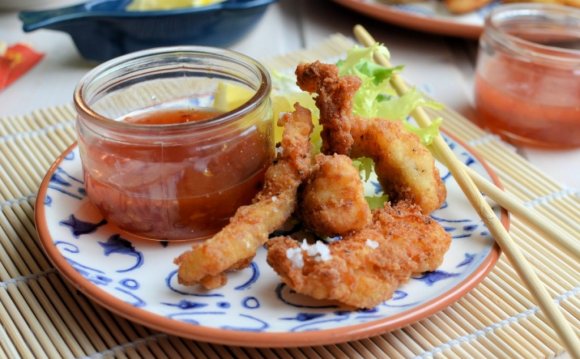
x,y
332,201
405,168
334,101
236,244
366,267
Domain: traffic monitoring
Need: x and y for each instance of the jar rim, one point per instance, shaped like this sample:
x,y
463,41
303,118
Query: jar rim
x,y
538,51
262,92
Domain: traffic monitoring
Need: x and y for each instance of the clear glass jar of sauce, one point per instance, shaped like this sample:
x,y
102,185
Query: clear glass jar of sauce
x,y
158,160
527,86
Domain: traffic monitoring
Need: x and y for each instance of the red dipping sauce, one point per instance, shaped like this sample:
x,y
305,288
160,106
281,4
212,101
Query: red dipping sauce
x,y
177,191
158,161
527,86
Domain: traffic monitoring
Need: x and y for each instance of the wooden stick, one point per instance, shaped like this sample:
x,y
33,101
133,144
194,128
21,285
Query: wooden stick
x,y
511,250
531,217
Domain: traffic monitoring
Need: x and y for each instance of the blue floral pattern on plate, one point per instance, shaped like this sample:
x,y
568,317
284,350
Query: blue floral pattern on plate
x,y
142,274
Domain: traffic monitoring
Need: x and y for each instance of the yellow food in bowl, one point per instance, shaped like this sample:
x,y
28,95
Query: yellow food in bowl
x,y
147,5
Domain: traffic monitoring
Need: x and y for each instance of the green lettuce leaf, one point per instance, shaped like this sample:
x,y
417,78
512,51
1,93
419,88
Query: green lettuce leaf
x,y
365,166
427,134
376,202
376,98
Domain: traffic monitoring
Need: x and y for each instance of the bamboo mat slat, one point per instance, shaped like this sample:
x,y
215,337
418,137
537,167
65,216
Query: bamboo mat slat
x,y
42,316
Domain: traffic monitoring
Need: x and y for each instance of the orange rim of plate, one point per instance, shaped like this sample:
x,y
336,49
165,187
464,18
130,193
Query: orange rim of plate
x,y
414,21
252,339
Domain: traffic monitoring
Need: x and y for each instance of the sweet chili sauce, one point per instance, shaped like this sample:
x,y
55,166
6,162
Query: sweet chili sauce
x,y
527,85
529,103
175,192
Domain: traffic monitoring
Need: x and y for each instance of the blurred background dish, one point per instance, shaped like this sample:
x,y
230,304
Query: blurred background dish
x,y
430,16
461,18
33,4
103,29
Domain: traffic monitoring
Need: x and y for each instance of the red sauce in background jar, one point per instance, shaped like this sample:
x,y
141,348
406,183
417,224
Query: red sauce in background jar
x,y
529,103
527,85
175,192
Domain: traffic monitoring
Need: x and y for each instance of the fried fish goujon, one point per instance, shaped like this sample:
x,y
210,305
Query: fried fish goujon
x,y
332,201
405,168
334,101
365,267
236,244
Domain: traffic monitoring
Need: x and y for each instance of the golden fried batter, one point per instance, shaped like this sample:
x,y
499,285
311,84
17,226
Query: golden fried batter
x,y
405,168
334,101
366,267
236,244
332,201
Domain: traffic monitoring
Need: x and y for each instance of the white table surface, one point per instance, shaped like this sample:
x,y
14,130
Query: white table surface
x,y
287,26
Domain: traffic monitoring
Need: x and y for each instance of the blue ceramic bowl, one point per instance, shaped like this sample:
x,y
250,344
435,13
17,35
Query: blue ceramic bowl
x,y
103,29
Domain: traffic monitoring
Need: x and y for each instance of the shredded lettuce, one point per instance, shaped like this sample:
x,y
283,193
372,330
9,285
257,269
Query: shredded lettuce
x,y
376,202
376,98
283,83
426,134
357,56
365,166
399,108
359,62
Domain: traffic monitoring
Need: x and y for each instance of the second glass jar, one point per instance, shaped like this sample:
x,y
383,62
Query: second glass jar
x,y
527,85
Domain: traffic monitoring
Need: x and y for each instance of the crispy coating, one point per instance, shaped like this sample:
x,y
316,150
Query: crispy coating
x,y
334,101
367,266
236,244
405,168
332,201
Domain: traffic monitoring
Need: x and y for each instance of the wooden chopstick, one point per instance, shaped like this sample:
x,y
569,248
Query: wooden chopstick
x,y
523,268
531,217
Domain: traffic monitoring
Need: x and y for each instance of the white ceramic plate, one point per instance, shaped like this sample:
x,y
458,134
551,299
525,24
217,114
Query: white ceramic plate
x,y
429,16
137,279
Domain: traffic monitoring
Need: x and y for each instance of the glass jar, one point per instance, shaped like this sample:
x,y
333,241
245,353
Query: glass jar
x,y
527,86
158,160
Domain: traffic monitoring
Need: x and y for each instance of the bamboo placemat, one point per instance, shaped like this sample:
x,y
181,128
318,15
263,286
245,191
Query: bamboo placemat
x,y
43,316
